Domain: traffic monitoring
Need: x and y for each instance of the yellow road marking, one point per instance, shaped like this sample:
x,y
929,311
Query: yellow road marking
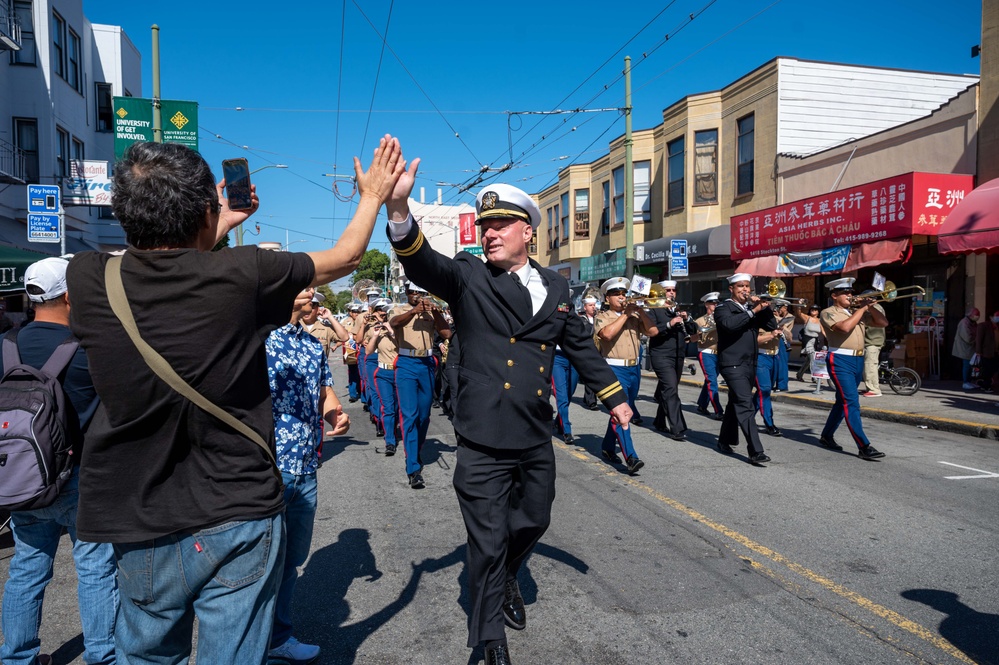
x,y
828,584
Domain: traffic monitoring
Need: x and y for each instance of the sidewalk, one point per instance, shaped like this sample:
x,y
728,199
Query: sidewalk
x,y
939,405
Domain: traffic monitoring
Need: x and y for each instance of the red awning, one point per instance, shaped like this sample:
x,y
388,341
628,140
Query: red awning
x,y
973,225
862,255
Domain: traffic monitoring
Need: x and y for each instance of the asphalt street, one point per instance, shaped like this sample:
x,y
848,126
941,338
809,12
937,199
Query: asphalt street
x,y
820,557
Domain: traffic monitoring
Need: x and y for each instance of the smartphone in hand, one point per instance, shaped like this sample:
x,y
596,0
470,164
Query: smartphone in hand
x,y
237,183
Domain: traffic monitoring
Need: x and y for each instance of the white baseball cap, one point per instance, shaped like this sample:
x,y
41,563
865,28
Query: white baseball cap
x,y
48,277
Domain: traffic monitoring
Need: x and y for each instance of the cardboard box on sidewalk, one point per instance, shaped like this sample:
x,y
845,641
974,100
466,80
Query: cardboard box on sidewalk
x,y
898,353
917,345
921,365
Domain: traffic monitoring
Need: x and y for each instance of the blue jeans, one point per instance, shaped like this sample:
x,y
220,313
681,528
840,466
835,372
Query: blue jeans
x,y
227,575
299,518
564,382
36,538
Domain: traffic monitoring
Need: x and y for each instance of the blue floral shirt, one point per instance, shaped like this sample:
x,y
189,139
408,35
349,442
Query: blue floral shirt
x,y
296,370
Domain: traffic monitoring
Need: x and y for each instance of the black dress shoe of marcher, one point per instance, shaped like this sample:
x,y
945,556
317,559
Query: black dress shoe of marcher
x,y
718,416
680,436
416,481
351,399
638,420
568,438
610,457
702,410
759,459
829,442
660,427
498,656
593,407
634,464
390,450
725,448
870,452
772,430
514,612
379,430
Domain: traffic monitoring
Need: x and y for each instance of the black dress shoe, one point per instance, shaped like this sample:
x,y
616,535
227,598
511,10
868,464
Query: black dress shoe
x,y
514,612
759,459
660,427
498,655
725,448
773,431
679,436
637,420
634,464
390,449
352,399
568,438
718,416
593,407
366,407
416,481
830,443
702,410
610,457
379,430
870,452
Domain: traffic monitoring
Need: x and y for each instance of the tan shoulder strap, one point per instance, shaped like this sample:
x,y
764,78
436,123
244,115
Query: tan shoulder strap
x,y
159,365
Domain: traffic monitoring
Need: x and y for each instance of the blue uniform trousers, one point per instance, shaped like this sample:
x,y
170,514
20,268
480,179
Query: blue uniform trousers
x,y
370,365
782,356
709,391
766,374
361,381
353,381
846,373
564,381
388,411
414,383
630,378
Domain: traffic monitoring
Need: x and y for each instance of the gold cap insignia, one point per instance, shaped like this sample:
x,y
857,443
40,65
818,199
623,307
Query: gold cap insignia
x,y
489,200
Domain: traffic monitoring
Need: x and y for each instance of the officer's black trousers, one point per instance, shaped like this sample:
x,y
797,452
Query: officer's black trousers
x,y
589,398
668,368
740,412
506,501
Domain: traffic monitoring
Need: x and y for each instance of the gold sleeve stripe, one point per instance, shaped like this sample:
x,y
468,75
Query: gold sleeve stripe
x,y
412,249
609,390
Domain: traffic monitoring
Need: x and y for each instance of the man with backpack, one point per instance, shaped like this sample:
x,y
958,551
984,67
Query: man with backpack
x,y
37,520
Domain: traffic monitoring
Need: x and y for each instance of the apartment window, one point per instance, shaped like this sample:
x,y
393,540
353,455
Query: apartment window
x,y
605,213
706,166
105,107
565,217
26,137
62,152
617,176
78,153
744,176
58,45
533,247
551,229
581,213
642,203
74,77
674,174
26,56
558,220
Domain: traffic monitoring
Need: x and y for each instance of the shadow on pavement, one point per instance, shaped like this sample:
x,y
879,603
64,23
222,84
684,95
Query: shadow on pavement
x,y
69,651
975,633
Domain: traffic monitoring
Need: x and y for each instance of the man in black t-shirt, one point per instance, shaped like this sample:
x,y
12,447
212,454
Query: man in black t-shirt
x,y
192,507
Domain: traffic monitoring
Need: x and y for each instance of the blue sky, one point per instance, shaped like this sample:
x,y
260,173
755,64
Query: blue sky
x,y
457,67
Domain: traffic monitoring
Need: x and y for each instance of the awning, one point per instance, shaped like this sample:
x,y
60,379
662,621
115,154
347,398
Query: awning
x,y
973,225
715,241
13,263
807,263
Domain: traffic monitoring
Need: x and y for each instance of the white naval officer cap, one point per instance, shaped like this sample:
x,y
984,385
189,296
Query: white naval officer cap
x,y
710,297
410,286
667,283
318,297
615,283
842,283
506,201
382,304
740,277
589,300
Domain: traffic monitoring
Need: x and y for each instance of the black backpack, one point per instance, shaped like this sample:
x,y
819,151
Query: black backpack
x,y
38,428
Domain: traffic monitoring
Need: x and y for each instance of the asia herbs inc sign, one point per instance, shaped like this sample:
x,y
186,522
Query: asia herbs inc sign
x,y
896,207
133,122
88,184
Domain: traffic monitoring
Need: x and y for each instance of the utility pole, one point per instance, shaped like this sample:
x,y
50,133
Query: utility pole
x,y
157,121
629,178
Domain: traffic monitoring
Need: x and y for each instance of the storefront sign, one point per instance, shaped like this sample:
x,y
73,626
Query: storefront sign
x,y
602,266
88,184
466,226
896,207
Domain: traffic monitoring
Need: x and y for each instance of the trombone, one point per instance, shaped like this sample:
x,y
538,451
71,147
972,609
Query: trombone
x,y
657,299
776,288
889,294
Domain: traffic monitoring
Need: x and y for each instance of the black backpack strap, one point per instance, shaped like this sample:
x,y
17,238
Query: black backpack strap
x,y
11,356
60,358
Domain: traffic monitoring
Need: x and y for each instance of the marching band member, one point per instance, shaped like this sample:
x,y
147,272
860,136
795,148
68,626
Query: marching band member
x,y
590,306
785,323
382,343
667,352
707,356
768,343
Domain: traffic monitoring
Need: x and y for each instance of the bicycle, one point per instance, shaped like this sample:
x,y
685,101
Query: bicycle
x,y
902,380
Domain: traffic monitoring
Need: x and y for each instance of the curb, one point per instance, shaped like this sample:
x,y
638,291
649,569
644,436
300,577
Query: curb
x,y
967,428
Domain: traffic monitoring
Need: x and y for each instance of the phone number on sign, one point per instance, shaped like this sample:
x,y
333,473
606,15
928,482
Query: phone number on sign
x,y
861,237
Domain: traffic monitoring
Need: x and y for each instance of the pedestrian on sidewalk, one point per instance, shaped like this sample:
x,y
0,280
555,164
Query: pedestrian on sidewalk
x,y
985,347
874,340
964,345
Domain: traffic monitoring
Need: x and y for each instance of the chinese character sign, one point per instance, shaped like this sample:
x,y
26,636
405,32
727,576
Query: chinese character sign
x,y
466,228
896,207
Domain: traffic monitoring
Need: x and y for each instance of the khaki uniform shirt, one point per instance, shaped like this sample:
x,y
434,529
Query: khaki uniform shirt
x,y
770,346
418,333
387,351
707,340
625,346
837,340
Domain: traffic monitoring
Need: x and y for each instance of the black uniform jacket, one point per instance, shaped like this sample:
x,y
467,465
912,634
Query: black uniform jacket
x,y
504,379
737,331
670,341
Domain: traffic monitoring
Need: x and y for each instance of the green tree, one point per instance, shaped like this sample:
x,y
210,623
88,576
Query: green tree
x,y
328,294
341,300
372,266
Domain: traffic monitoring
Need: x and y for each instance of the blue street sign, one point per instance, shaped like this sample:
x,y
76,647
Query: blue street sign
x,y
678,249
43,228
678,267
43,198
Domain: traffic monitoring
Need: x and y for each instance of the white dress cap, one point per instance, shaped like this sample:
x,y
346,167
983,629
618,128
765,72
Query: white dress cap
x,y
842,283
506,201
710,297
615,283
740,277
667,283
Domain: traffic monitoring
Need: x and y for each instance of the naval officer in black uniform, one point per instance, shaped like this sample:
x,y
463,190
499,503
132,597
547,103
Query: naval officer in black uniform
x,y
739,319
667,353
509,314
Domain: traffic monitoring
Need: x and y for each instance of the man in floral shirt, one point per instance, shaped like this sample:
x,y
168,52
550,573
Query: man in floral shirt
x,y
302,395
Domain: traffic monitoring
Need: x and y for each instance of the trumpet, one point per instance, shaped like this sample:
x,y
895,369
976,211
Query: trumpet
x,y
889,294
435,302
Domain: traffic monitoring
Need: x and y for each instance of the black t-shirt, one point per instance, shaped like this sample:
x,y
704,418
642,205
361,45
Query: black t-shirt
x,y
35,343
153,462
